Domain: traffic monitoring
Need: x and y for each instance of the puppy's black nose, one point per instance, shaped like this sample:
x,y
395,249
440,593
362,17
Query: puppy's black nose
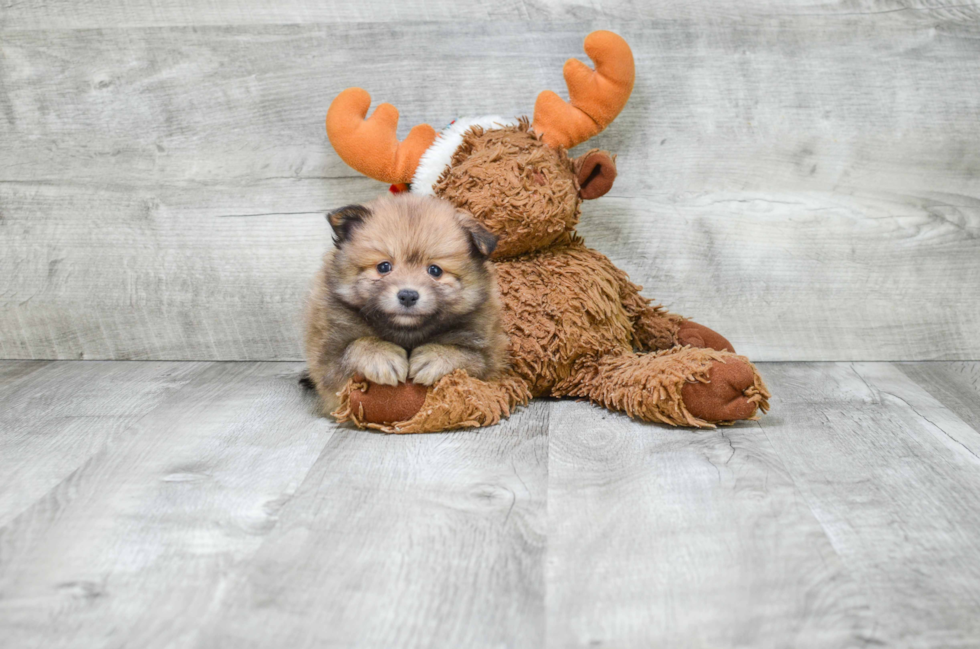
x,y
408,297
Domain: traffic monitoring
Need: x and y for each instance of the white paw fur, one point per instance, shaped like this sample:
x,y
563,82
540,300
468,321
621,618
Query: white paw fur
x,y
380,361
429,363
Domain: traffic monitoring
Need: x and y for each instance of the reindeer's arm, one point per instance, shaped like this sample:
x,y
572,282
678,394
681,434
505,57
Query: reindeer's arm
x,y
655,328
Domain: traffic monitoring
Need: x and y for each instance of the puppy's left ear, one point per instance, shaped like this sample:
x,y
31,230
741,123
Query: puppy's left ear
x,y
344,220
482,241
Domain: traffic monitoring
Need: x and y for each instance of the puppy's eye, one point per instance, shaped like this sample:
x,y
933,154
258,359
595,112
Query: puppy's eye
x,y
384,267
435,271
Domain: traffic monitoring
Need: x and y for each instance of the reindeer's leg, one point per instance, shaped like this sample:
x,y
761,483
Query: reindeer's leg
x,y
686,386
457,400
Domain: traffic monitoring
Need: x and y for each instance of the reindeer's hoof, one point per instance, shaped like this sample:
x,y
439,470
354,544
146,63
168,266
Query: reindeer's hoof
x,y
730,394
386,404
697,335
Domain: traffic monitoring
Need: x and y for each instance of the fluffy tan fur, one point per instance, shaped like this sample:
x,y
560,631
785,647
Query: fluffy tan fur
x,y
356,324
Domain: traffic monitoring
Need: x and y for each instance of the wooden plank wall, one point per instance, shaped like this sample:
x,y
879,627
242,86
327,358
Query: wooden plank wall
x,y
802,176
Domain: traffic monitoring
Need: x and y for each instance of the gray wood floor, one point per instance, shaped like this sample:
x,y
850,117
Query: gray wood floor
x,y
167,504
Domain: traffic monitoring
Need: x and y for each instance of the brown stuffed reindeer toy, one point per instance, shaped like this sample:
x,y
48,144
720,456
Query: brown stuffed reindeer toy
x,y
578,327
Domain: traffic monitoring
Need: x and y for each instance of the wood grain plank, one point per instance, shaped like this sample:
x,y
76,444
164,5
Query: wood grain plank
x,y
11,372
892,477
661,537
404,541
794,183
135,547
180,283
18,15
57,416
61,14
226,104
955,385
913,10
892,382
229,514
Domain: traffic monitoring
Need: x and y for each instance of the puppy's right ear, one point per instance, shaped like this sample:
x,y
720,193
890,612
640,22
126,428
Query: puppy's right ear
x,y
345,220
482,241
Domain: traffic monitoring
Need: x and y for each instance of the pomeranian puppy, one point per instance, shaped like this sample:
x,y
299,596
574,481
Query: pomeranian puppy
x,y
406,293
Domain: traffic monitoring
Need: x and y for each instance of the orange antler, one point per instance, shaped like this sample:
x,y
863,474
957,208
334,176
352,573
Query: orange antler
x,y
371,145
596,96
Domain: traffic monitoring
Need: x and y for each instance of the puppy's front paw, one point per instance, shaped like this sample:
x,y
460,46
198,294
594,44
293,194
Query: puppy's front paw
x,y
379,361
429,363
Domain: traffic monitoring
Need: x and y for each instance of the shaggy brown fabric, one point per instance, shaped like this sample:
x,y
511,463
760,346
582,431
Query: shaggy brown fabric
x,y
577,326
496,176
559,304
650,386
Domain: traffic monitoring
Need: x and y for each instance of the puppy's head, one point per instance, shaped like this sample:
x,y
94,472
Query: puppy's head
x,y
408,261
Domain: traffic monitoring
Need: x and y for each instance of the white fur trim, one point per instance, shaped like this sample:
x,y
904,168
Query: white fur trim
x,y
438,156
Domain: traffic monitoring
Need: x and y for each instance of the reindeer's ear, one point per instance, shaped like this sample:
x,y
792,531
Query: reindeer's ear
x,y
596,171
482,241
344,220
